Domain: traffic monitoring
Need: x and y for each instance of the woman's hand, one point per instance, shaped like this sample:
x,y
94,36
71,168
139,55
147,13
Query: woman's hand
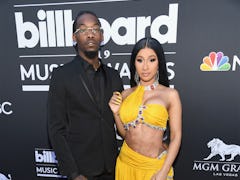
x,y
159,176
115,102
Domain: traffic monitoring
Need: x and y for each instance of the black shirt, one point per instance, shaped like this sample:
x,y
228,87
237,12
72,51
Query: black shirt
x,y
96,79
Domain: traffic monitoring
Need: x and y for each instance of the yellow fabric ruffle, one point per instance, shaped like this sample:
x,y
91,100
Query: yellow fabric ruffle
x,y
134,166
132,108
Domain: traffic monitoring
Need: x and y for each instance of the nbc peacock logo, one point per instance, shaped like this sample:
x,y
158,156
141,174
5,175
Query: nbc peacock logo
x,y
215,62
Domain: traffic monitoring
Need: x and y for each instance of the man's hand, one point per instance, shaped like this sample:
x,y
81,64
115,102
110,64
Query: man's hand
x,y
80,177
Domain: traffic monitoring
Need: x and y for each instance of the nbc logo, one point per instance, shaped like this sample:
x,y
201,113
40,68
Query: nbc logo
x,y
215,62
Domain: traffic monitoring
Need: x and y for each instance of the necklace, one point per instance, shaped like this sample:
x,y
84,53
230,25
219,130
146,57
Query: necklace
x,y
98,65
151,86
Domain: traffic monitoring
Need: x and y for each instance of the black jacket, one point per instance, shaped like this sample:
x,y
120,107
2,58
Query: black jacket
x,y
82,136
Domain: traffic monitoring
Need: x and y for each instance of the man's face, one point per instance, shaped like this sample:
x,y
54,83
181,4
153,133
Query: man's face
x,y
88,34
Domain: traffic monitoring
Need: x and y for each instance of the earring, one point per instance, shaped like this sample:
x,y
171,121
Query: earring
x,y
157,77
102,43
136,77
74,43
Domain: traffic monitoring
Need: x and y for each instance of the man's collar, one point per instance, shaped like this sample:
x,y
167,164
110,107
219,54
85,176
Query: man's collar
x,y
86,65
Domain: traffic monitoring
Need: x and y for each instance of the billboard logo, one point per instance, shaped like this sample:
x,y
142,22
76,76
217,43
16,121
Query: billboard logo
x,y
45,156
215,62
46,163
218,147
54,28
221,167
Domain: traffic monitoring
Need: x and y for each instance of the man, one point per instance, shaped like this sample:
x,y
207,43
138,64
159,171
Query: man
x,y
80,122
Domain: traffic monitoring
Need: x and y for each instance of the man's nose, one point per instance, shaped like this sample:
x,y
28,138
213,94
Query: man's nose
x,y
90,32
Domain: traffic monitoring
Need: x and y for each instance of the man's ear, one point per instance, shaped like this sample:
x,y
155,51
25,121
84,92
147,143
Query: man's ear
x,y
74,40
102,38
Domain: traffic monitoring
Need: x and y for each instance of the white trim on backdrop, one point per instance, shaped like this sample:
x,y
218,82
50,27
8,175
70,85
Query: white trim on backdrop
x,y
68,3
72,55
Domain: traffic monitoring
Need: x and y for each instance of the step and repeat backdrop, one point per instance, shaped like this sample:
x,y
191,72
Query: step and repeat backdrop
x,y
201,40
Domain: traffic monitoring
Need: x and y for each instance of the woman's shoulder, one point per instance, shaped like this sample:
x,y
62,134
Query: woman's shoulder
x,y
170,95
165,88
168,91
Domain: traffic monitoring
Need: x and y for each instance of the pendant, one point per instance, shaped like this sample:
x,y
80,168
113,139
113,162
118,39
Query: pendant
x,y
151,87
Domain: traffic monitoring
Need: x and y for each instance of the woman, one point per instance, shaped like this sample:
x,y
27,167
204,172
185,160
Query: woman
x,y
141,114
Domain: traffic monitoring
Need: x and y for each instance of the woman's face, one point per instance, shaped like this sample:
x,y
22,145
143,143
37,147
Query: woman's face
x,y
146,64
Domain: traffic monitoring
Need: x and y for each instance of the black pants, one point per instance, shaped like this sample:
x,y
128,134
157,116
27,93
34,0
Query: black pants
x,y
104,176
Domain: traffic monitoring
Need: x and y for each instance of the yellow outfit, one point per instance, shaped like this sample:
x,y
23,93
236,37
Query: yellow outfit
x,y
130,164
132,111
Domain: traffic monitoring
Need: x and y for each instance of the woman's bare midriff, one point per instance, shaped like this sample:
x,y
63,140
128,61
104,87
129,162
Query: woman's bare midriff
x,y
145,140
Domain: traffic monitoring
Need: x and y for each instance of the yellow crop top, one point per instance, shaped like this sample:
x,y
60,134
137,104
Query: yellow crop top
x,y
132,112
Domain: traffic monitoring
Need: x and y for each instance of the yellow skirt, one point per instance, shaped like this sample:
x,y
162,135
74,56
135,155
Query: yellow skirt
x,y
134,166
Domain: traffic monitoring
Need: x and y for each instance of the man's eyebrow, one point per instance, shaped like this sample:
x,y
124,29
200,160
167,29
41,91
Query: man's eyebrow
x,y
96,24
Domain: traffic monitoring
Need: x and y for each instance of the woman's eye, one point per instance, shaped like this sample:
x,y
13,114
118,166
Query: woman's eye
x,y
152,60
139,60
